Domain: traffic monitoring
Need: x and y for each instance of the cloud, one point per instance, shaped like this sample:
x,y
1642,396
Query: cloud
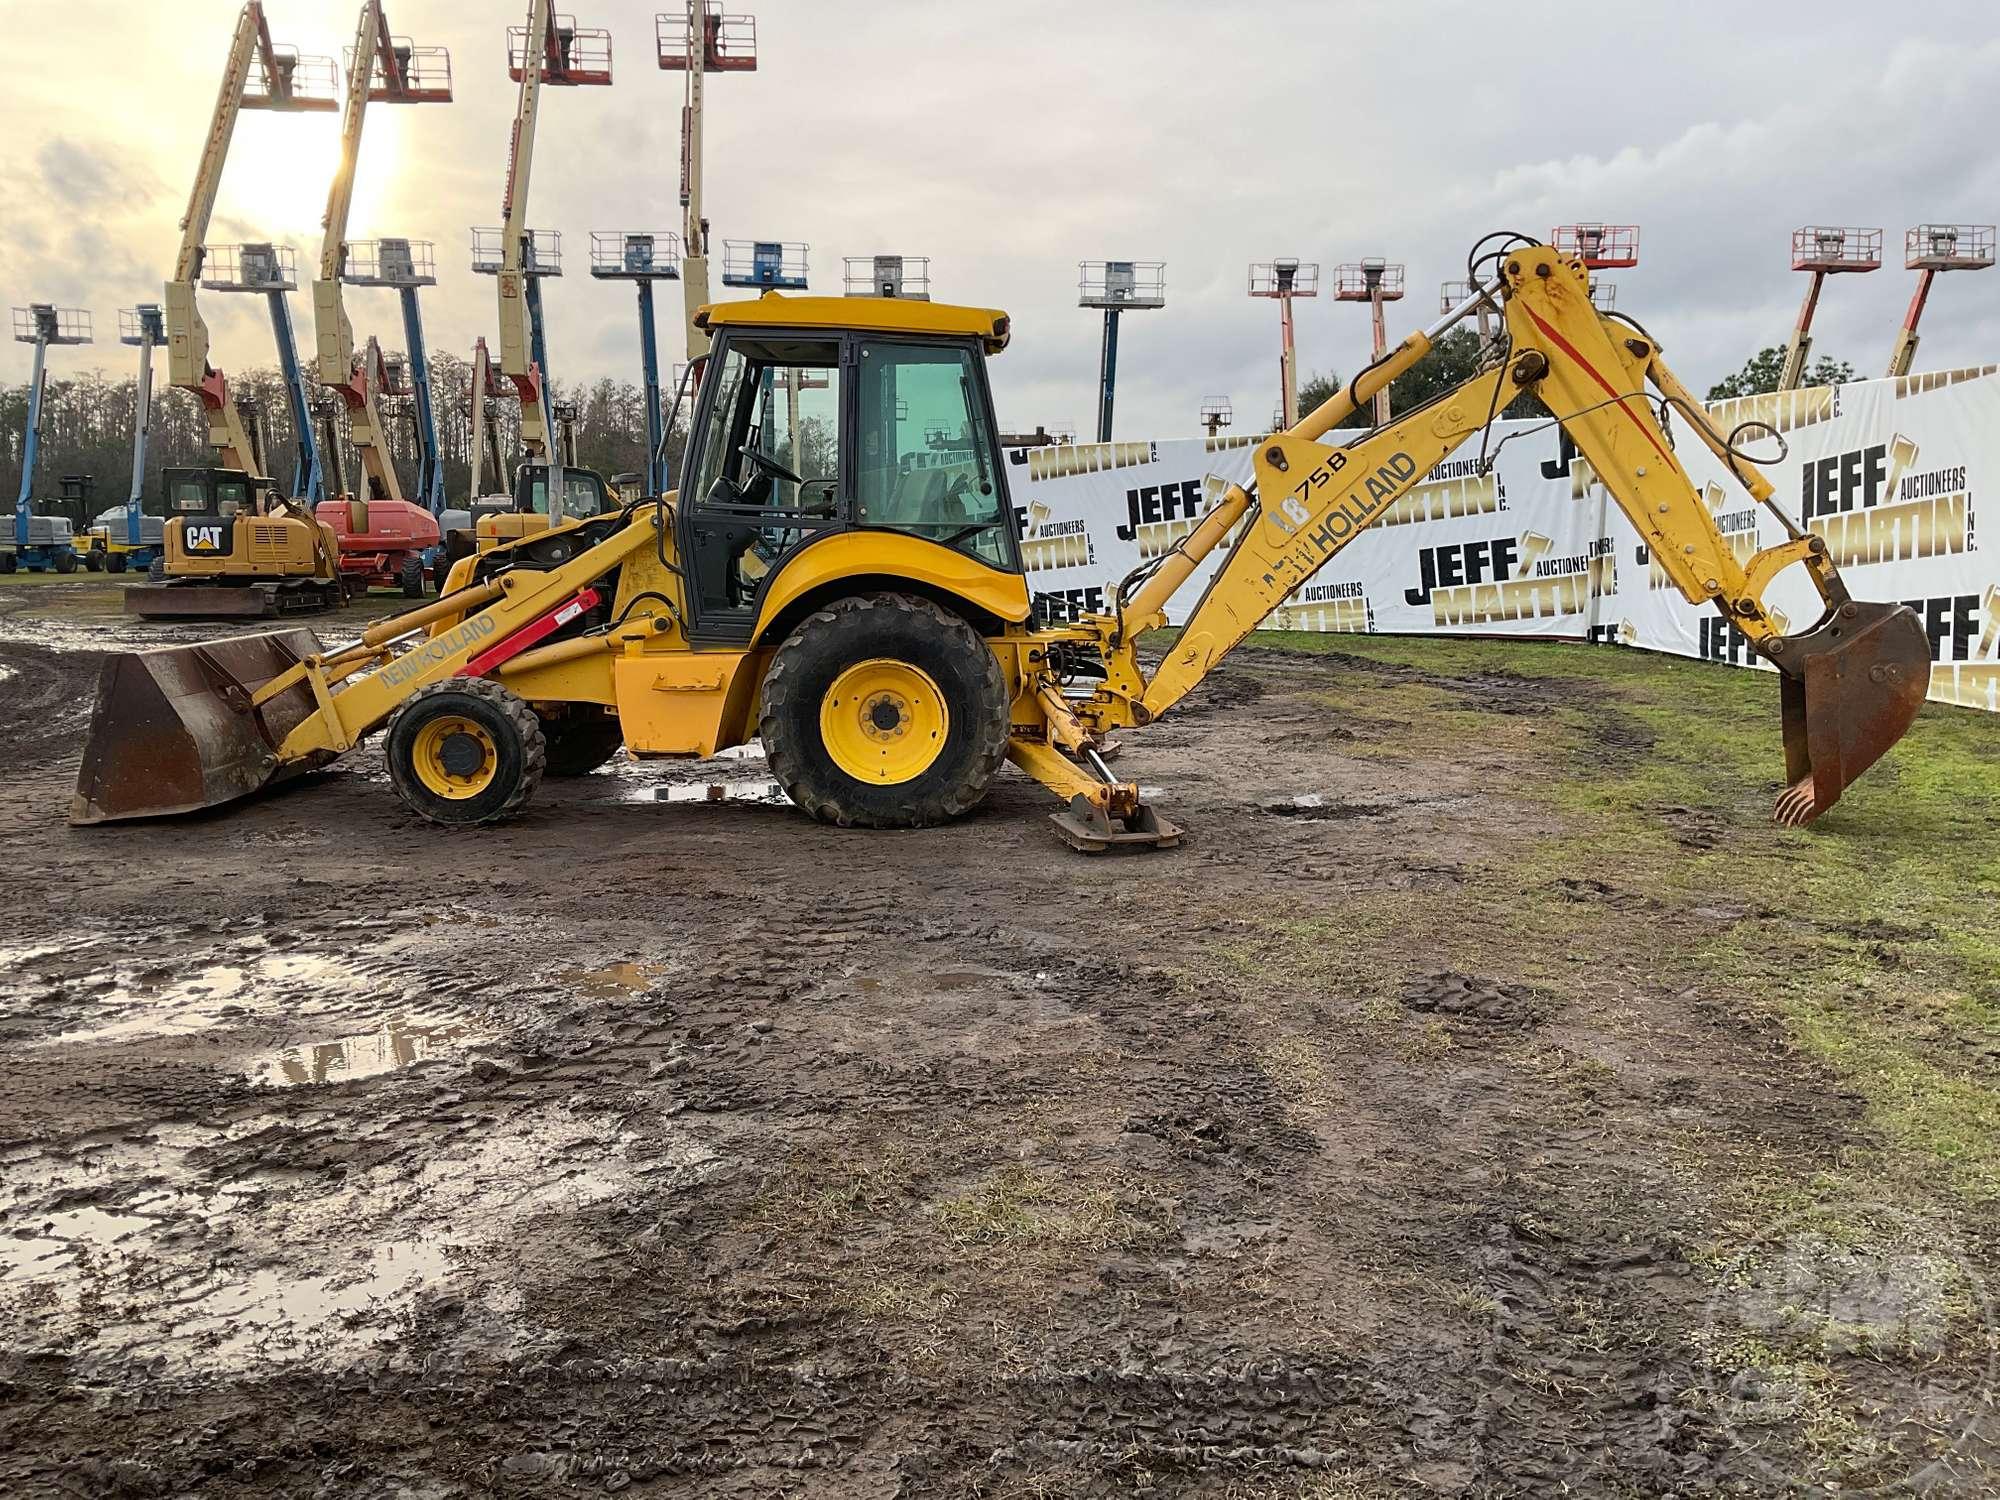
x,y
1009,143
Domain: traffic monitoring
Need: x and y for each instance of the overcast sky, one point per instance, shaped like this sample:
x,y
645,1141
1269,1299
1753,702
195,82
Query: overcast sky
x,y
1008,141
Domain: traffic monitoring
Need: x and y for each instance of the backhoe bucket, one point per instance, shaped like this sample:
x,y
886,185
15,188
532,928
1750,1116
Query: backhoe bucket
x,y
1852,684
173,730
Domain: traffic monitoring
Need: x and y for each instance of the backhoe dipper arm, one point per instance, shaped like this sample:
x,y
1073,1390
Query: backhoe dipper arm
x,y
187,336
1852,682
333,333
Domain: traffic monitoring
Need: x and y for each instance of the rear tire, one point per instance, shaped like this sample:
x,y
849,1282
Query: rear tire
x,y
65,562
884,712
413,577
9,561
578,742
114,563
92,561
465,751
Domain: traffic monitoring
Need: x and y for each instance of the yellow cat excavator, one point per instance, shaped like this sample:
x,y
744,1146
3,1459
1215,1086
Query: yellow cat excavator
x,y
852,592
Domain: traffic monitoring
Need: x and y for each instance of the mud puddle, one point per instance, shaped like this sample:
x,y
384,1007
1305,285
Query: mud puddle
x,y
399,1043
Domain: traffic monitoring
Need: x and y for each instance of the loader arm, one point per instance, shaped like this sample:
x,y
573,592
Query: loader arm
x,y
1852,682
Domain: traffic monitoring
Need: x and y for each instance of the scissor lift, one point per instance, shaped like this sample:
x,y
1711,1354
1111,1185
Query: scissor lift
x,y
40,543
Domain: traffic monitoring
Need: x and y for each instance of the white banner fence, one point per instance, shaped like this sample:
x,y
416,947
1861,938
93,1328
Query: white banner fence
x,y
1888,471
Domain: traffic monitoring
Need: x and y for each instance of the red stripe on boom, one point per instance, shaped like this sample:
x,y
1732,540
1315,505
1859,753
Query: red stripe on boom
x,y
1591,370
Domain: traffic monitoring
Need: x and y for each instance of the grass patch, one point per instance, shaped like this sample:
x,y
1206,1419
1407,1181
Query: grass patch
x,y
1871,937
1019,1206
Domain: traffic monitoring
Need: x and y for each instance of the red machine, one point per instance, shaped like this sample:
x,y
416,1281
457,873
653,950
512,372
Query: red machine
x,y
382,543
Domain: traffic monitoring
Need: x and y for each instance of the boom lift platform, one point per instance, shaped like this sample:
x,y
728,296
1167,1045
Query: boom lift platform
x,y
1928,250
266,553
884,646
40,543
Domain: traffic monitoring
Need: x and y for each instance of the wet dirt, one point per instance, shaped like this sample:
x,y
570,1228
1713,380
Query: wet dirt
x,y
669,1142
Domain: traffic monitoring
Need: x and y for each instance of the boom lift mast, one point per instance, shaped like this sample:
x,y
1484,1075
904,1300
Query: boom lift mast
x,y
549,49
257,75
888,671
698,40
388,69
41,542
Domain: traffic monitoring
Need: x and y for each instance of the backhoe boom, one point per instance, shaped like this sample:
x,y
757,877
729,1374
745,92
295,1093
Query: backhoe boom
x,y
1852,682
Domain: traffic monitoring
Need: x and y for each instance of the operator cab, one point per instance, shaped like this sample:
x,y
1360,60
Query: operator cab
x,y
217,494
818,416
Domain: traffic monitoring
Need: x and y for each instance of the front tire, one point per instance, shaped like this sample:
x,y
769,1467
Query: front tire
x,y
884,712
115,563
65,562
465,751
92,561
413,577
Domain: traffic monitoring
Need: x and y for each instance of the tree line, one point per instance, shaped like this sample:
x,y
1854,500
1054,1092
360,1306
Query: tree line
x,y
87,431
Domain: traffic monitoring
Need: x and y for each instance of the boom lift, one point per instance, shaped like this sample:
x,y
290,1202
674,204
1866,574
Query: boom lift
x,y
129,538
549,49
382,535
643,257
1929,249
40,543
867,613
266,553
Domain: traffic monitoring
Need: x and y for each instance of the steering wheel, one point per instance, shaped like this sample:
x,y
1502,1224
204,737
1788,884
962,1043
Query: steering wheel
x,y
768,464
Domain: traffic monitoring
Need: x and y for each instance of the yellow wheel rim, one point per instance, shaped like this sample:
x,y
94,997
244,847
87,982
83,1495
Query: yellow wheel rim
x,y
884,721
454,757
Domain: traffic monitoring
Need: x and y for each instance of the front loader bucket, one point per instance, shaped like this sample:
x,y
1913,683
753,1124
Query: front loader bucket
x,y
173,730
1852,684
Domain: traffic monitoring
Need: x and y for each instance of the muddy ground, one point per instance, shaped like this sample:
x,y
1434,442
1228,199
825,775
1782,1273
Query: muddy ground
x,y
1484,1101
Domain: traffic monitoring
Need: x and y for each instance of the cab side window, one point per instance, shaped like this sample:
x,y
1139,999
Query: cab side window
x,y
923,464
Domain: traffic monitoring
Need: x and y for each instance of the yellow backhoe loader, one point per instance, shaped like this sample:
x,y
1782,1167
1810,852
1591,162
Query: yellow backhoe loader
x,y
861,605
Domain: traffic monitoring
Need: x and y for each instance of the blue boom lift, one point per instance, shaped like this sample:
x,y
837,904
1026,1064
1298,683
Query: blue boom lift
x,y
40,543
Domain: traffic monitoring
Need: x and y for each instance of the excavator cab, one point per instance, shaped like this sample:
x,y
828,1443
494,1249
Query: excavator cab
x,y
231,548
584,495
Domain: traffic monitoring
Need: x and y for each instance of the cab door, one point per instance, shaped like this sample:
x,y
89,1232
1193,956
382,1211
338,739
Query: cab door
x,y
766,472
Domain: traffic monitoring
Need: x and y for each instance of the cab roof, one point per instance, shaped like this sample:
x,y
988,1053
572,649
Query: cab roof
x,y
868,314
